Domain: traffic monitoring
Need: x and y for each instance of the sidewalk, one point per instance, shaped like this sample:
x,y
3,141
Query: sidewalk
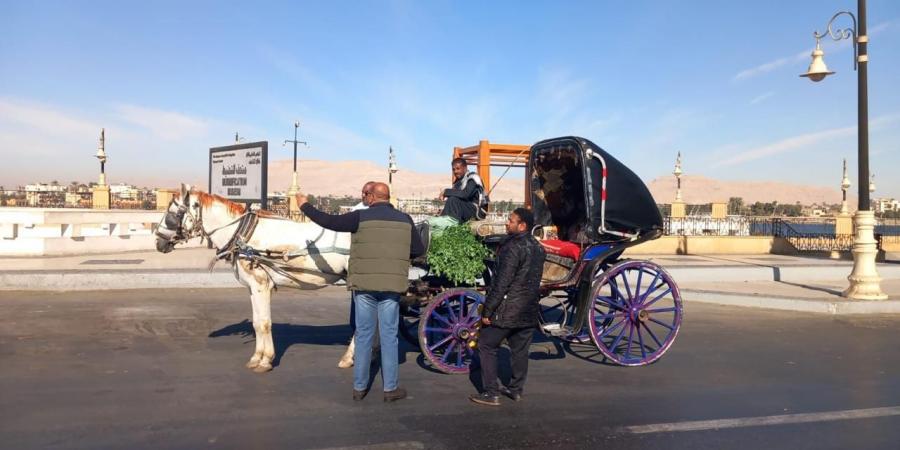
x,y
761,281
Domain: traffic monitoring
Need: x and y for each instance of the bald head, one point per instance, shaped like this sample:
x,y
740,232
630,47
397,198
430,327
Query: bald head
x,y
380,192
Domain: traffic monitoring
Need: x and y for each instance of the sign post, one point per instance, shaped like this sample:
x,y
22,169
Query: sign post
x,y
240,172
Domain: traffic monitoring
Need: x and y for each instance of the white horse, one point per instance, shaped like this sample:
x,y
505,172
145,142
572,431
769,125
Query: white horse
x,y
265,250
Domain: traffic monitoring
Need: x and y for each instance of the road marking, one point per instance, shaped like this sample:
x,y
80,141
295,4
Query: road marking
x,y
400,445
827,416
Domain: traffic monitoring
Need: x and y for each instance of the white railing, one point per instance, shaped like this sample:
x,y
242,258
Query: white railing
x,y
50,231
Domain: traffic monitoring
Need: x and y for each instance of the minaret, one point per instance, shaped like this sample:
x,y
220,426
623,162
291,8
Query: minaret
x,y
845,184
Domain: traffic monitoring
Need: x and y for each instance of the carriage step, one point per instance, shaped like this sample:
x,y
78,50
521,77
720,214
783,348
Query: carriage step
x,y
555,329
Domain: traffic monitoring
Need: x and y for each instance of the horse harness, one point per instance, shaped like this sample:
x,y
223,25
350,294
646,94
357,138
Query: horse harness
x,y
237,246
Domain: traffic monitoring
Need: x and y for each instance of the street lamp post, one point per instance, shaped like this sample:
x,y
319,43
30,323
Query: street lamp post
x,y
293,208
101,155
864,279
392,169
845,184
677,172
295,188
677,210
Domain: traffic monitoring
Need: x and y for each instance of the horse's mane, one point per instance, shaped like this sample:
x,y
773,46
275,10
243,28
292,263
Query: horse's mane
x,y
205,199
234,209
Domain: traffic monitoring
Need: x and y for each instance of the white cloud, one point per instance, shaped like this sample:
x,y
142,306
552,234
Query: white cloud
x,y
802,141
43,142
167,125
43,118
762,98
288,65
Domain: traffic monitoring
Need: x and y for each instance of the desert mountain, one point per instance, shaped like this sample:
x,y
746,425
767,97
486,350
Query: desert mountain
x,y
346,177
697,189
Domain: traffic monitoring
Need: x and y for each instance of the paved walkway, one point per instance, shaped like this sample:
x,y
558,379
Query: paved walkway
x,y
764,281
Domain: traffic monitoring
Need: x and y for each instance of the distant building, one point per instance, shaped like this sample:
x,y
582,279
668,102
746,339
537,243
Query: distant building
x,y
883,205
42,195
124,191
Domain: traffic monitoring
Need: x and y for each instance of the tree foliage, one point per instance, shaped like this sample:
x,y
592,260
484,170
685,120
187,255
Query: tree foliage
x,y
457,255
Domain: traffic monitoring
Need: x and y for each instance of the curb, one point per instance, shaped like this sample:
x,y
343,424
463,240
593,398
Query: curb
x,y
813,305
699,274
79,280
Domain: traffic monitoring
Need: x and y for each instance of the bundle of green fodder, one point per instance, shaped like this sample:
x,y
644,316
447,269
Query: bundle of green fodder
x,y
457,255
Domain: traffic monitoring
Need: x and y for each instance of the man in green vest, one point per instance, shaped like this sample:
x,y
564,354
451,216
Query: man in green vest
x,y
383,241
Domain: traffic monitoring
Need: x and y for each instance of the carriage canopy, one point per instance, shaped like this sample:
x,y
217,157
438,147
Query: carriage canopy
x,y
586,193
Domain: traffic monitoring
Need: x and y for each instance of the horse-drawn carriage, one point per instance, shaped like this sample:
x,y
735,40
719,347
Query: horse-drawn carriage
x,y
588,209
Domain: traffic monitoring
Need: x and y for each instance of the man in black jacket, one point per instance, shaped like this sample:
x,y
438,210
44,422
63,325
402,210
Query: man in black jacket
x,y
511,308
463,200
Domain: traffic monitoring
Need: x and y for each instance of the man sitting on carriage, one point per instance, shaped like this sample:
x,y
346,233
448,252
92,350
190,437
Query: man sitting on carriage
x,y
466,199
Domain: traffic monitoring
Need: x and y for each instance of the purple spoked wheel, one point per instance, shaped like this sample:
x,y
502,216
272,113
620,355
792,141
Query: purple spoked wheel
x,y
636,312
448,324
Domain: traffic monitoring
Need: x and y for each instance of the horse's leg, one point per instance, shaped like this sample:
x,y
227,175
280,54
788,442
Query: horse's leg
x,y
246,276
347,360
258,352
264,330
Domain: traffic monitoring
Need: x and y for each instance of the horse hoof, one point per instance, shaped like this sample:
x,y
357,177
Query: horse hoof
x,y
262,368
345,364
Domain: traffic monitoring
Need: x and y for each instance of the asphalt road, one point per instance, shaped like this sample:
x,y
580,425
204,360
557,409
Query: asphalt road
x,y
164,369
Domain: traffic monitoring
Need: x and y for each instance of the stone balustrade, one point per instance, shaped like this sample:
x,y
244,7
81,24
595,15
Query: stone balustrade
x,y
55,232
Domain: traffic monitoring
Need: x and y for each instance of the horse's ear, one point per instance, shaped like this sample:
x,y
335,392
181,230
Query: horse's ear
x,y
183,190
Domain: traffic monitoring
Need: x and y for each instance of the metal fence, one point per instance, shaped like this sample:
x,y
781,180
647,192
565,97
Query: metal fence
x,y
727,226
804,233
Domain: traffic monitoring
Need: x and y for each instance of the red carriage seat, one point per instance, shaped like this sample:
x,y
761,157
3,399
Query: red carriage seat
x,y
565,249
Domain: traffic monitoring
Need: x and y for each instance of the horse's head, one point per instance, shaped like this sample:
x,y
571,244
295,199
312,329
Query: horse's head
x,y
180,223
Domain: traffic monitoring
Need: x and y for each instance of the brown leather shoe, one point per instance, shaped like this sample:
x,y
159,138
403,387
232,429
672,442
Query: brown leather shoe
x,y
359,395
396,394
485,399
514,396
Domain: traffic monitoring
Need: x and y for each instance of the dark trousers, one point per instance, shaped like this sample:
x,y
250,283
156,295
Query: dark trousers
x,y
489,339
459,209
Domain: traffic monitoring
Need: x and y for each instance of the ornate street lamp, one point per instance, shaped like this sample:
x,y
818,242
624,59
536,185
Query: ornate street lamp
x,y
101,155
845,184
677,172
864,279
392,165
295,188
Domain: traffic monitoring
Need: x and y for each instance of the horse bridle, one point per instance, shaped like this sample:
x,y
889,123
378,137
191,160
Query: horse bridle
x,y
174,231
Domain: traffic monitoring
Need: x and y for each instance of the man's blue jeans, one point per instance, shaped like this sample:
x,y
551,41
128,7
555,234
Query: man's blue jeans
x,y
382,308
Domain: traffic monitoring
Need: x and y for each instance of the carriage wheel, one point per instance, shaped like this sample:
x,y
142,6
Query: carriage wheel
x,y
636,312
447,325
409,322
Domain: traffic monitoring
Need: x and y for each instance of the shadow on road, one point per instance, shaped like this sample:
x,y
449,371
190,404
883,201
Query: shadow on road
x,y
285,335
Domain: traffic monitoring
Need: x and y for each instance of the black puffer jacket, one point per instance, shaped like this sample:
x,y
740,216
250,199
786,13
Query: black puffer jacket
x,y
513,296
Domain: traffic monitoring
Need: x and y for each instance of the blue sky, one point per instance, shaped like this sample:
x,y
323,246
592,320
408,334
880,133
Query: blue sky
x,y
715,80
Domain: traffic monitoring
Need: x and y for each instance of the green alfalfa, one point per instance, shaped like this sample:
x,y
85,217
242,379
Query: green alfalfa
x,y
457,255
